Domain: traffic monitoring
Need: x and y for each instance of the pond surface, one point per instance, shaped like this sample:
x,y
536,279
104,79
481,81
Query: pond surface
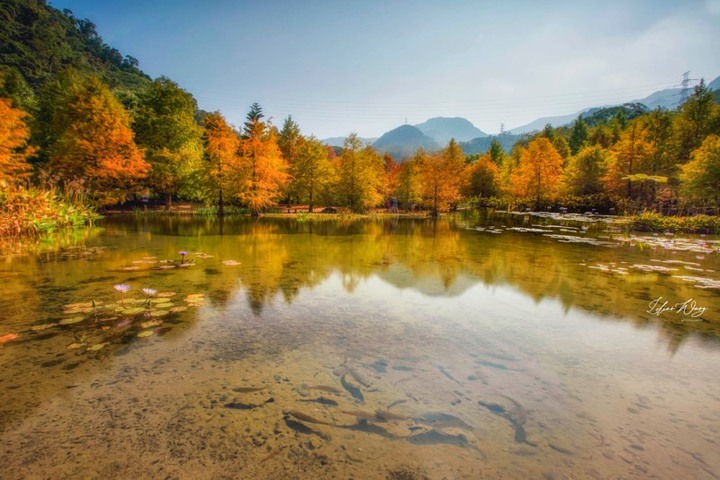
x,y
401,349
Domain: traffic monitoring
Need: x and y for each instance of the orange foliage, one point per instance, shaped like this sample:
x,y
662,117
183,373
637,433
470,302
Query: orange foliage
x,y
14,149
442,176
264,169
631,154
96,144
221,148
537,177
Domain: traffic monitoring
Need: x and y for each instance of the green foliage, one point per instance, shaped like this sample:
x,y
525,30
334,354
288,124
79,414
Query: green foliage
x,y
165,126
578,136
41,41
585,171
654,222
360,176
311,172
701,176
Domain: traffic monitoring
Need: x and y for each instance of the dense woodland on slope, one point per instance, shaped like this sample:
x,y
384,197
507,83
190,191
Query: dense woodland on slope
x,y
82,127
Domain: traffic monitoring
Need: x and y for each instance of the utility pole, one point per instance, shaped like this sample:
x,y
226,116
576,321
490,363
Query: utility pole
x,y
502,128
685,88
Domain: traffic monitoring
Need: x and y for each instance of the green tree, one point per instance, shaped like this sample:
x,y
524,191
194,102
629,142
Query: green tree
x,y
165,127
699,117
408,189
254,117
360,175
700,177
311,172
483,177
585,170
497,154
578,135
658,125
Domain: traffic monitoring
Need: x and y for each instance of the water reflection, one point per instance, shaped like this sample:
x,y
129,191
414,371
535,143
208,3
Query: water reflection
x,y
270,258
412,348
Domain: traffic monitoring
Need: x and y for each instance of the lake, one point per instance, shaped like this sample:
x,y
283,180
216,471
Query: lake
x,y
485,346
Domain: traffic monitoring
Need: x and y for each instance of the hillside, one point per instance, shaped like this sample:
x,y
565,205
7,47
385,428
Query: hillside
x,y
39,42
403,141
482,144
340,141
442,129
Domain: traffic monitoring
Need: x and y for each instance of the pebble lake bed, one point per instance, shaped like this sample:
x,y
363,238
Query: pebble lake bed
x,y
517,346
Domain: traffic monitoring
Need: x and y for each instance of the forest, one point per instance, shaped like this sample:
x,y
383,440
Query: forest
x,y
93,132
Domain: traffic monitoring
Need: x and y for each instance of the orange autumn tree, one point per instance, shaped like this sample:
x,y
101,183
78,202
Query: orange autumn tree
x,y
14,149
631,155
221,158
537,177
441,177
262,165
95,144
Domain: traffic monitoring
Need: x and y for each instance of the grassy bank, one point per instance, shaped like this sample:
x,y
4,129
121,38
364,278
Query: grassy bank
x,y
31,212
654,222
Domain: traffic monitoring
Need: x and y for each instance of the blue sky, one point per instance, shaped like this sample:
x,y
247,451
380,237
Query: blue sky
x,y
367,66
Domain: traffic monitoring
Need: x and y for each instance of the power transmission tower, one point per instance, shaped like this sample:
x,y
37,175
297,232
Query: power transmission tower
x,y
685,87
502,128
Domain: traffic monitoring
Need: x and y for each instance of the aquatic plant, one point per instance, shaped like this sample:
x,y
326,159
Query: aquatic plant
x,y
149,293
183,254
123,288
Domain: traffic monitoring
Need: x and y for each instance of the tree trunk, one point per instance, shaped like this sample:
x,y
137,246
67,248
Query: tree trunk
x,y
168,202
221,205
310,204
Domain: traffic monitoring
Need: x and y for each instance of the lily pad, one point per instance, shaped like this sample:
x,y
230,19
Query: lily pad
x,y
178,309
159,313
76,345
41,327
163,305
150,323
80,305
97,346
71,320
145,333
159,300
134,311
165,294
231,263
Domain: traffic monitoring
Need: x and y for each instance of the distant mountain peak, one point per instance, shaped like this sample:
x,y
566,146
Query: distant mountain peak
x,y
442,129
403,141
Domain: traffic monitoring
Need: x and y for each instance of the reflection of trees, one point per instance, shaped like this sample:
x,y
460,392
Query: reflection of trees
x,y
277,258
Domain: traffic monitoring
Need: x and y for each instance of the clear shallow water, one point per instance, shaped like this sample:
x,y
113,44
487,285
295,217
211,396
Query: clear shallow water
x,y
398,349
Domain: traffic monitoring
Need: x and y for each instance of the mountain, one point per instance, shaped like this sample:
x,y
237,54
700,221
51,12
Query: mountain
x,y
482,144
403,141
668,98
715,84
39,42
539,124
442,129
340,141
